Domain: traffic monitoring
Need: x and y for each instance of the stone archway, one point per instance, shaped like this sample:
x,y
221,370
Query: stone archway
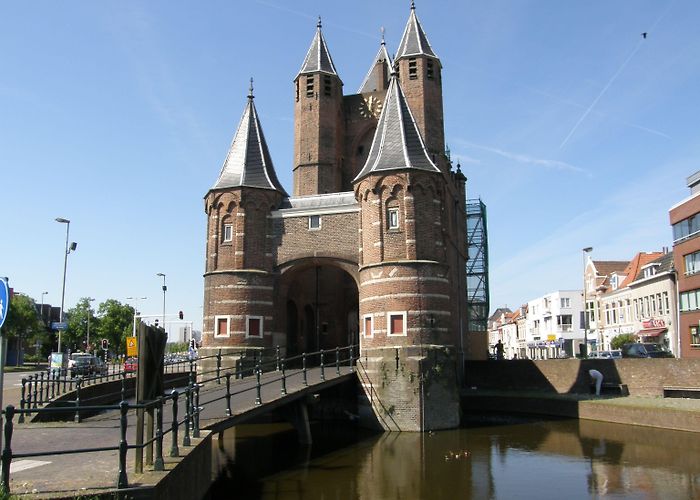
x,y
322,304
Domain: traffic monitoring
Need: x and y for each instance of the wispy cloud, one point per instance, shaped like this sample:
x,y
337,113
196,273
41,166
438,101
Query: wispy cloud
x,y
527,159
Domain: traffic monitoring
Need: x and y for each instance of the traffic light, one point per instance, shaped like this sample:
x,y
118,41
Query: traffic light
x,y
105,344
181,315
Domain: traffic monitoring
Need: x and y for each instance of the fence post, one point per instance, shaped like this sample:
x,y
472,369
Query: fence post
x,y
218,367
52,376
124,386
228,394
158,464
174,451
195,409
277,358
36,380
323,371
337,360
188,412
77,400
41,388
7,450
303,368
122,481
351,358
22,402
258,396
65,378
284,380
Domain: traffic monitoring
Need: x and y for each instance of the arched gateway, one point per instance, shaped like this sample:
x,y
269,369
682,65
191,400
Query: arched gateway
x,y
371,247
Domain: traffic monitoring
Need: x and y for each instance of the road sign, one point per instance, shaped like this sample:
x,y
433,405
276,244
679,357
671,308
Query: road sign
x,y
4,301
57,325
132,346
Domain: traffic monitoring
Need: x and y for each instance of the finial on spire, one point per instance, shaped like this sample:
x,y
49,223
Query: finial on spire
x,y
250,89
318,24
413,5
382,30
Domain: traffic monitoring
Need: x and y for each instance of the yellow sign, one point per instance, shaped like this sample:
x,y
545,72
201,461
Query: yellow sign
x,y
551,337
132,346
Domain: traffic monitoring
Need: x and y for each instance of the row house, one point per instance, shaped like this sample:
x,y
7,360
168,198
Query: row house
x,y
635,297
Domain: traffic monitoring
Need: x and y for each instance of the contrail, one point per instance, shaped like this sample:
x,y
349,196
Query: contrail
x,y
614,77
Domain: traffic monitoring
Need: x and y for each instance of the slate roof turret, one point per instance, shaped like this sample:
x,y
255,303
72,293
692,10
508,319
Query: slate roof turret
x,y
414,42
248,161
397,144
318,58
377,78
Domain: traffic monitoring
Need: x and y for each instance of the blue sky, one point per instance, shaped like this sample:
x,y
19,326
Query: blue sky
x,y
572,128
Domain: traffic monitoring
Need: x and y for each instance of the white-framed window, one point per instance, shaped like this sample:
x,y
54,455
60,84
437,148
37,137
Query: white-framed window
x,y
565,302
368,326
222,326
254,327
613,281
392,216
314,222
228,233
692,263
396,323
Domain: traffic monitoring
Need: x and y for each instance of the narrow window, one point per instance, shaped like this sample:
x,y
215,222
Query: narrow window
x,y
327,85
367,329
297,90
430,73
412,69
254,326
221,326
314,222
228,232
310,86
694,336
393,218
397,323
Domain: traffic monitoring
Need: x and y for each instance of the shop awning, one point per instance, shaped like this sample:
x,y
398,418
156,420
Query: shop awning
x,y
651,332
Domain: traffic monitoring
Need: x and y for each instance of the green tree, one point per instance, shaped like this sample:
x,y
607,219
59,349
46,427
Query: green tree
x,y
22,318
116,323
620,340
75,336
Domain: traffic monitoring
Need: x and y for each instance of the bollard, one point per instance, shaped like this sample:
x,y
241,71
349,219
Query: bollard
x,y
22,402
77,401
122,481
218,367
158,464
7,450
174,451
188,413
258,396
228,394
303,368
195,409
277,358
323,371
284,381
337,361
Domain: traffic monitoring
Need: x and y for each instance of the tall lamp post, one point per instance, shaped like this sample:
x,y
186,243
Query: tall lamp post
x,y
586,325
87,340
69,248
136,310
165,288
41,311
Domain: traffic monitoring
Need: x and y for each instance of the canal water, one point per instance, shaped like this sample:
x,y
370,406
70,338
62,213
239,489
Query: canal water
x,y
491,458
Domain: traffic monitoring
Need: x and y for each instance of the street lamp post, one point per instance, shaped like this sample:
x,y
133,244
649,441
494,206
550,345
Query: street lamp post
x,y
136,311
165,288
41,311
584,352
69,249
87,340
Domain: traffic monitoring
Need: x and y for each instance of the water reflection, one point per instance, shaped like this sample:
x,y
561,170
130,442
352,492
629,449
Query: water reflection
x,y
555,459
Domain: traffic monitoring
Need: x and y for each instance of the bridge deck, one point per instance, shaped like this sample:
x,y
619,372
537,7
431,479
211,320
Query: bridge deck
x,y
94,472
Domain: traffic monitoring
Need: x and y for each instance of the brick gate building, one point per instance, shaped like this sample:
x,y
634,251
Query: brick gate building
x,y
370,247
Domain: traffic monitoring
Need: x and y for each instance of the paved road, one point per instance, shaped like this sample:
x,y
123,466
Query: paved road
x,y
98,471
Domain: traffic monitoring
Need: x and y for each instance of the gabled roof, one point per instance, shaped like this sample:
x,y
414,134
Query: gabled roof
x,y
378,73
414,42
397,144
665,264
248,161
605,269
318,58
640,260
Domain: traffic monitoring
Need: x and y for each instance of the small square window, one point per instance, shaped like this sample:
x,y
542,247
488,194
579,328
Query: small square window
x,y
228,232
254,326
368,327
396,323
392,215
314,222
221,326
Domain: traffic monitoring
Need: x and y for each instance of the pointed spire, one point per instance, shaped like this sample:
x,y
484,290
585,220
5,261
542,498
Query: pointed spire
x,y
248,161
397,144
414,42
378,75
318,58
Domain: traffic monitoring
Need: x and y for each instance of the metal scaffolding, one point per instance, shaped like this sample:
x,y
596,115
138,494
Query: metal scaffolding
x,y
477,267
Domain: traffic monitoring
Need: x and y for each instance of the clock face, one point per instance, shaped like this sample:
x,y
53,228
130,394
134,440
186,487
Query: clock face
x,y
371,107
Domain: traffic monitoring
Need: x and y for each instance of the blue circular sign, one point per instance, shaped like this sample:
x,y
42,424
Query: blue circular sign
x,y
4,301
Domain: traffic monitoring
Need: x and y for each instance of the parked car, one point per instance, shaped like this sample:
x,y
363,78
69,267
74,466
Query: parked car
x,y
101,367
613,354
83,366
131,364
639,350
